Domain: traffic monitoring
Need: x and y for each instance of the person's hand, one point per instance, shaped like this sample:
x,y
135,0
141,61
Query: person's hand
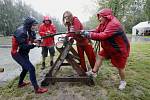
x,y
36,44
37,40
78,32
32,46
48,32
65,41
85,33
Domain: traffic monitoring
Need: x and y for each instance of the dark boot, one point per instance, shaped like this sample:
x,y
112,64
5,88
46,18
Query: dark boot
x,y
43,65
51,63
23,84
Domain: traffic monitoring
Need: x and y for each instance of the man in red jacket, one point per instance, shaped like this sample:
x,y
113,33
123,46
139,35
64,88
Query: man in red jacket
x,y
72,23
48,43
113,41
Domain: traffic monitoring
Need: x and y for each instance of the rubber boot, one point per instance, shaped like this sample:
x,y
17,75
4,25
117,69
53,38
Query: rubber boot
x,y
51,63
51,60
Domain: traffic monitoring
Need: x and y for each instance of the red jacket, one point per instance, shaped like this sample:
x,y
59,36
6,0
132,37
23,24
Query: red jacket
x,y
112,36
50,29
77,26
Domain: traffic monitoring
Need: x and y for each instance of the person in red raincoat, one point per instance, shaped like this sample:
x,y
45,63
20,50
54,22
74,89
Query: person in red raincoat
x,y
72,23
114,42
48,43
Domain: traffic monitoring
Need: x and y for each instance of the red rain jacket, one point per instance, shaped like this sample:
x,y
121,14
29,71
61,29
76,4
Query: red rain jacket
x,y
50,29
77,26
111,34
83,44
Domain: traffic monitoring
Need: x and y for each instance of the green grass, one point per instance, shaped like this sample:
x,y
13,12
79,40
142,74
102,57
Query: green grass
x,y
106,88
147,36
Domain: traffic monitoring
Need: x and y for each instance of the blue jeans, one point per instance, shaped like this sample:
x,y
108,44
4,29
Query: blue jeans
x,y
26,65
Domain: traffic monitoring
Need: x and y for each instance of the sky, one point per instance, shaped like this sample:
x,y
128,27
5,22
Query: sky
x,y
83,9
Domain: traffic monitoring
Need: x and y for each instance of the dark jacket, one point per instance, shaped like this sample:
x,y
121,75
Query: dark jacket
x,y
23,38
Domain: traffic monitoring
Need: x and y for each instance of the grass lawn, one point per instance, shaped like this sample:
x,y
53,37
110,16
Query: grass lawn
x,y
147,36
106,88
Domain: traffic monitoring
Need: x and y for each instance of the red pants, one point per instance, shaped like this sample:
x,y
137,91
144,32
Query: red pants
x,y
117,60
88,49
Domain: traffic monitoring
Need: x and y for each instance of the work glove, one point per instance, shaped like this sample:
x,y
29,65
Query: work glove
x,y
37,42
85,33
65,41
48,32
32,46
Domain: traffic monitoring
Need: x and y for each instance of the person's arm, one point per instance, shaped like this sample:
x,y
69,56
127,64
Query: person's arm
x,y
23,44
26,46
53,29
77,25
96,29
34,39
42,31
111,29
32,35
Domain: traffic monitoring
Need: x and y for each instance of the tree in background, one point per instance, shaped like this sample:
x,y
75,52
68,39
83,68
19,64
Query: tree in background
x,y
134,14
59,26
12,14
118,6
92,23
147,10
129,12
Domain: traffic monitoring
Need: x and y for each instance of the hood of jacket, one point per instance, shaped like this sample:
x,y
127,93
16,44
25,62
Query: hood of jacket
x,y
106,12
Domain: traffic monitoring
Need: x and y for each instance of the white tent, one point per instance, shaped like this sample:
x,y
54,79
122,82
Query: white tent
x,y
141,28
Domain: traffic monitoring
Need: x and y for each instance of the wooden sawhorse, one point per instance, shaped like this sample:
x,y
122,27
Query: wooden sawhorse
x,y
70,58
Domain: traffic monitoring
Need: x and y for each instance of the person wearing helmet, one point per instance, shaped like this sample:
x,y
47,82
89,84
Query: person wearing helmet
x,y
47,28
114,42
22,41
73,24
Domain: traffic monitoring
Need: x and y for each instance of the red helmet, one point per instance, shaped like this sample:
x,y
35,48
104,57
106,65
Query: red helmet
x,y
47,18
